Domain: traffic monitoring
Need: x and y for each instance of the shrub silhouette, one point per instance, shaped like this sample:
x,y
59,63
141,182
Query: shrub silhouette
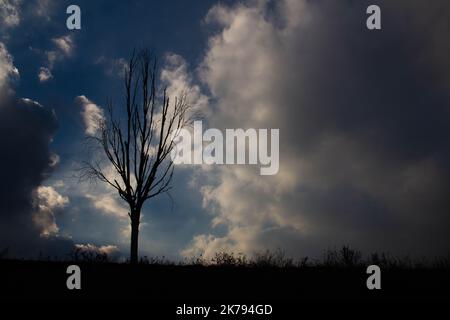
x,y
229,259
276,258
343,258
80,255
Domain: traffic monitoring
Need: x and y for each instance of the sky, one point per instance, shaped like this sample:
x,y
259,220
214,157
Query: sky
x,y
363,118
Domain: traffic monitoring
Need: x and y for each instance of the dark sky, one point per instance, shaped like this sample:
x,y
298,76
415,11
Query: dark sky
x,y
363,118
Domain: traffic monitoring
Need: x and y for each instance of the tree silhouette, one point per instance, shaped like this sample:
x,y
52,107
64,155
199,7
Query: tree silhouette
x,y
138,139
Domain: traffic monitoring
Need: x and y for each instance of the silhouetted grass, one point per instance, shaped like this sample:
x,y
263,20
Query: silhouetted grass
x,y
343,258
340,274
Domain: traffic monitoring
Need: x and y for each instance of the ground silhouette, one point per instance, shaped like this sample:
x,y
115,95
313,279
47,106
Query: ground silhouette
x,y
269,278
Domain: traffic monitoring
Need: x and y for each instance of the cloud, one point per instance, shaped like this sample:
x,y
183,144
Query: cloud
x,y
7,69
105,199
10,13
364,127
47,201
108,203
115,67
54,160
13,12
26,208
64,48
92,115
65,44
44,74
95,213
43,8
175,74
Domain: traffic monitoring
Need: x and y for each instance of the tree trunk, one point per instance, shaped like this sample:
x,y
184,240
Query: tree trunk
x,y
134,238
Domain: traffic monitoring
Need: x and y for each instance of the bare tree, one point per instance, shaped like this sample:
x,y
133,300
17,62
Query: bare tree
x,y
137,140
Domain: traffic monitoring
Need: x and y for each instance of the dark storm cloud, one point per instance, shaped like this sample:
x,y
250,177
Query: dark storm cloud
x,y
364,123
26,129
372,121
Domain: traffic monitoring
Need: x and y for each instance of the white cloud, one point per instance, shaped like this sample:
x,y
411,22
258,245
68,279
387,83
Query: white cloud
x,y
92,115
65,44
49,198
239,69
7,68
64,48
109,204
31,102
44,74
107,201
47,201
176,76
205,245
